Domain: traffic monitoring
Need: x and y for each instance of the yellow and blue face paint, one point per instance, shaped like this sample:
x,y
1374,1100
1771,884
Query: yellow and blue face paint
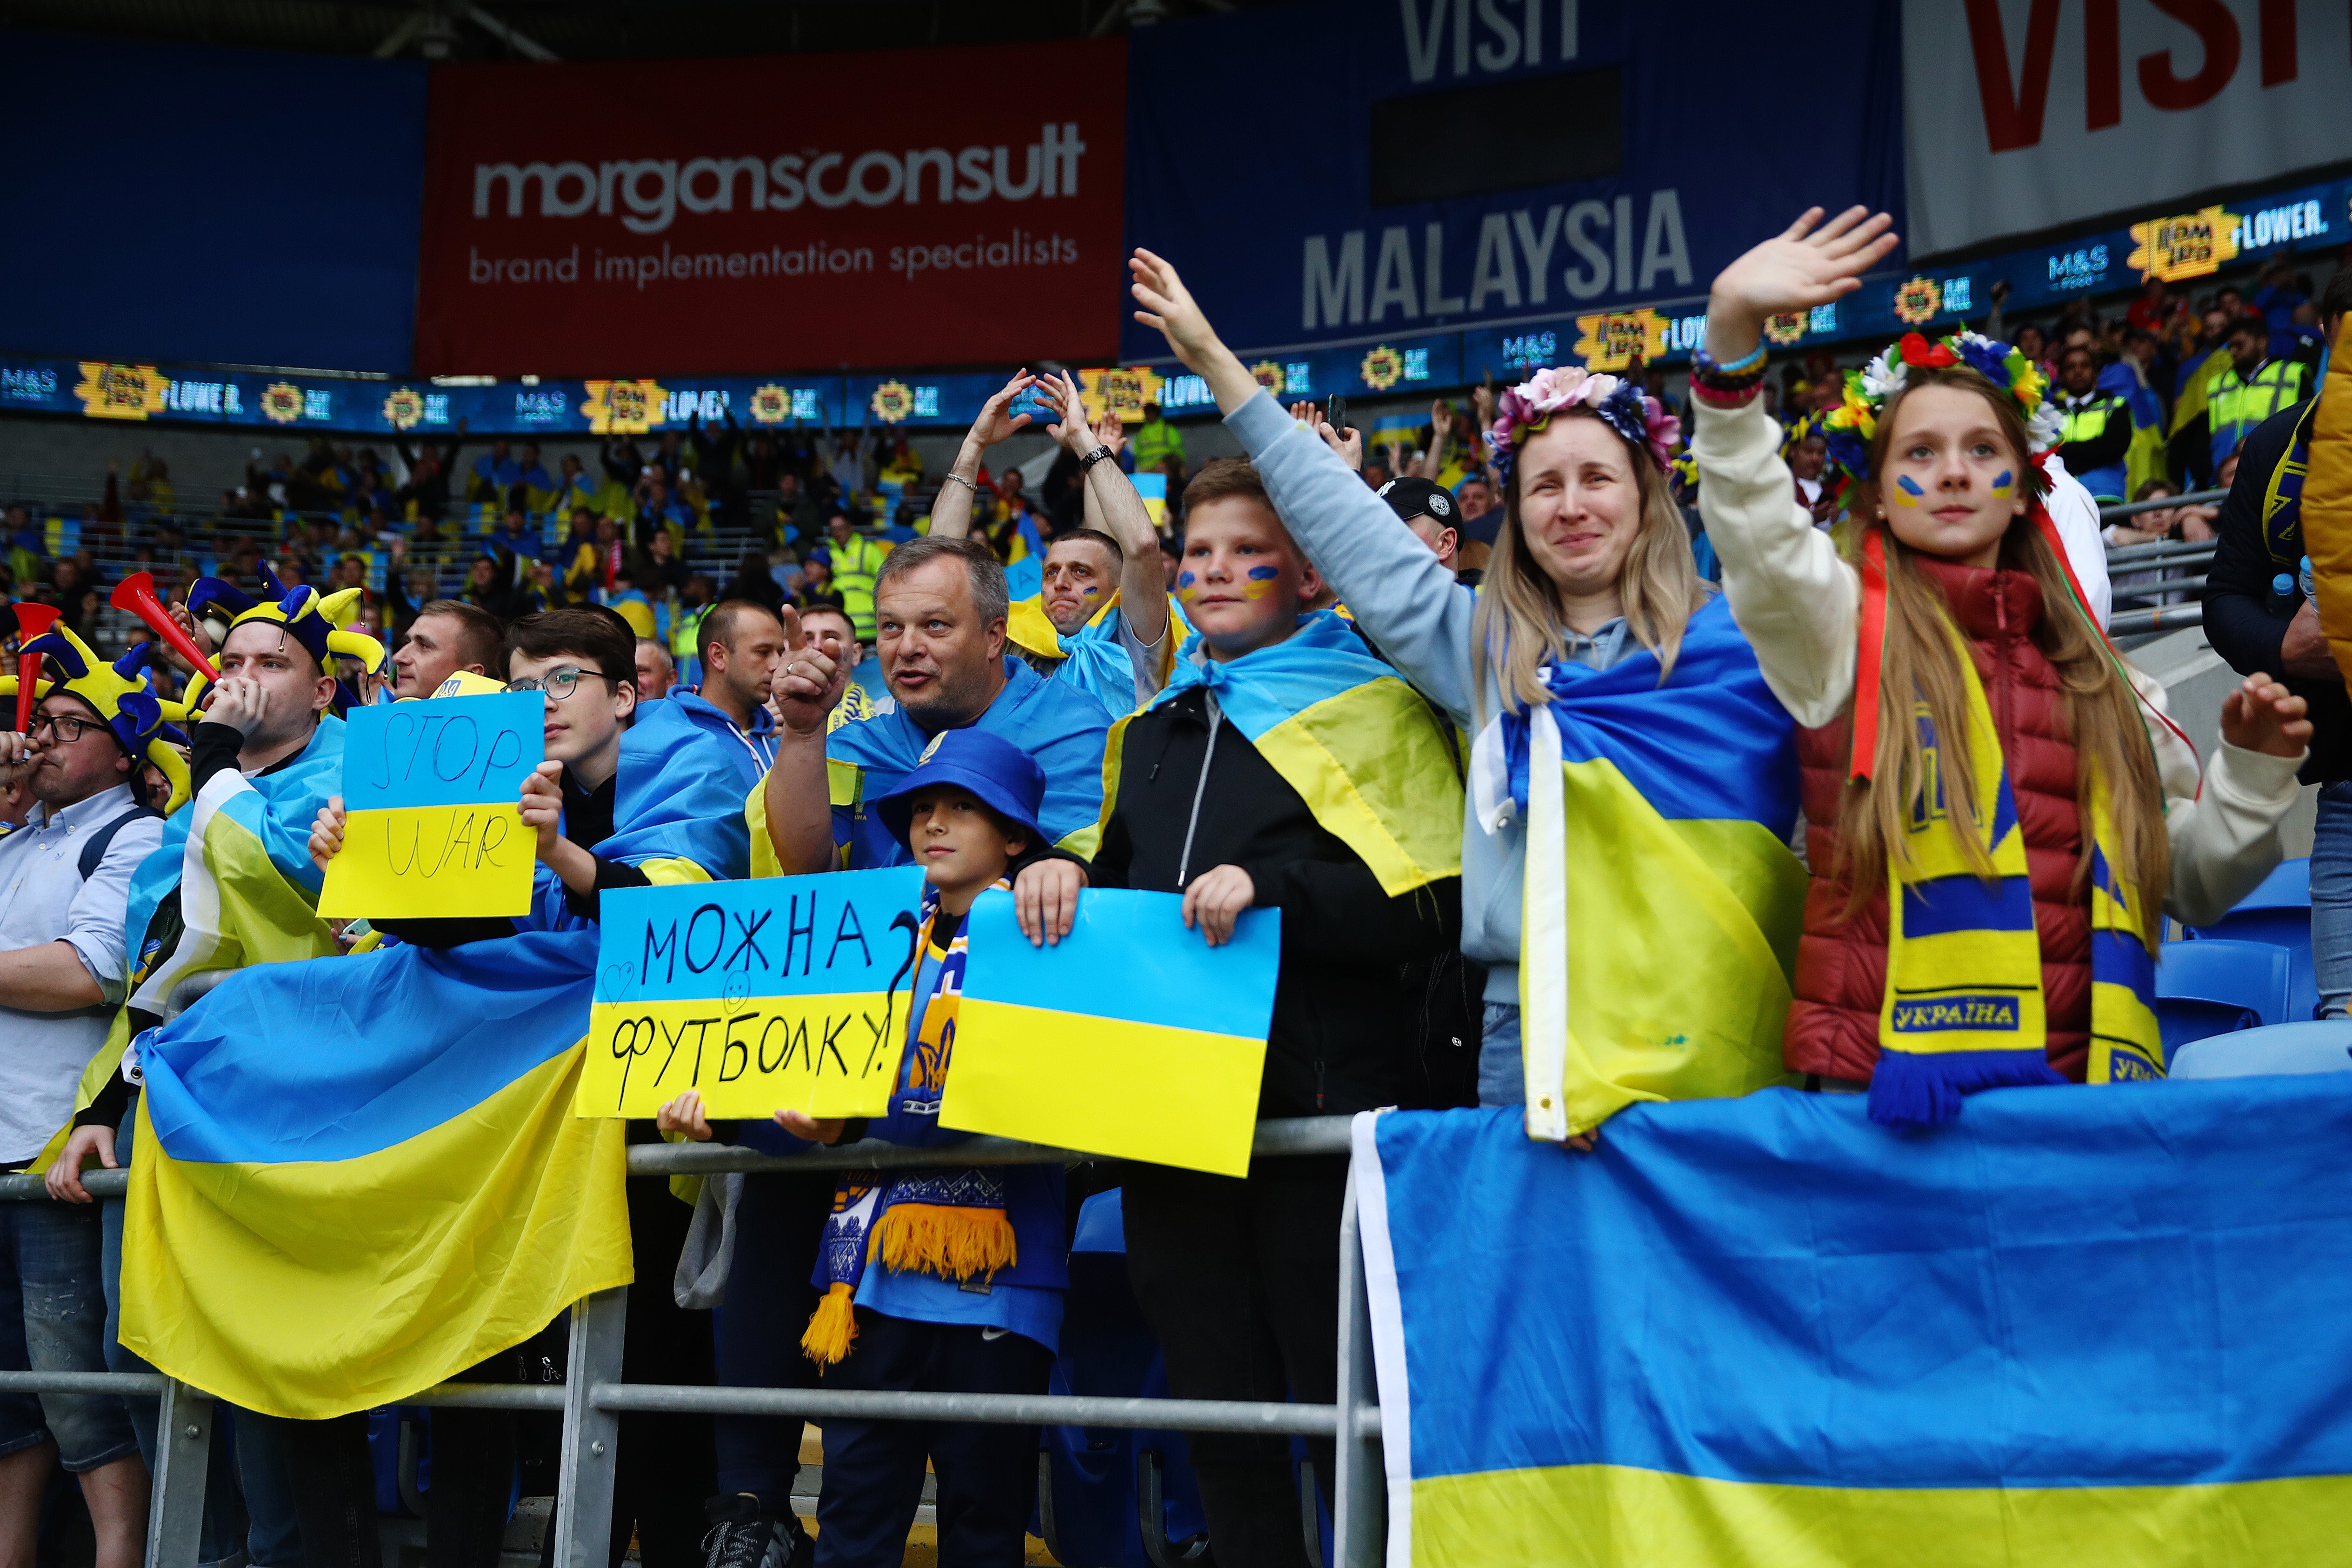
x,y
1907,491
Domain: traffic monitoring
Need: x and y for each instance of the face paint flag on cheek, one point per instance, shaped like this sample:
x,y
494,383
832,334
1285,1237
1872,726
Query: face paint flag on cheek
x,y
1908,492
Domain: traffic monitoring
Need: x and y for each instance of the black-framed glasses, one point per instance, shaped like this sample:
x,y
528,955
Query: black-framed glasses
x,y
65,728
562,681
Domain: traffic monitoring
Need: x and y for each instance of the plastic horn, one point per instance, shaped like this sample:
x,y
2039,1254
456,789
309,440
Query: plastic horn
x,y
32,621
137,595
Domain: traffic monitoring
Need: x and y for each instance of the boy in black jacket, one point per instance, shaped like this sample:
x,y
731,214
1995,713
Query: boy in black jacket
x,y
1240,1278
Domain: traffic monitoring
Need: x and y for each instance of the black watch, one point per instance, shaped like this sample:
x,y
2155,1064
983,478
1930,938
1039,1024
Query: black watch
x,y
1086,463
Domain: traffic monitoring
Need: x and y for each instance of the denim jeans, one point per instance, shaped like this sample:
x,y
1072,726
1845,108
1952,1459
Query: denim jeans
x,y
1502,1077
57,1297
242,1457
2331,901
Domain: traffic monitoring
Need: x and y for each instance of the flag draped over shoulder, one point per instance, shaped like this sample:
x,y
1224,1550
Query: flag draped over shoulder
x,y
1053,721
358,1177
2071,1328
1362,748
235,863
1663,903
1093,655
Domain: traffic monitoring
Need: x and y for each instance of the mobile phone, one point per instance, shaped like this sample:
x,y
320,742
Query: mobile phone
x,y
1335,413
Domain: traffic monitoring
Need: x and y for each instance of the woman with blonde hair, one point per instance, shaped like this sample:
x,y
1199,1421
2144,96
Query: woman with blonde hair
x,y
1626,880
1998,808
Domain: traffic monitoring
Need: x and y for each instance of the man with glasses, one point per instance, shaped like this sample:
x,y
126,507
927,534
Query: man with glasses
x,y
65,879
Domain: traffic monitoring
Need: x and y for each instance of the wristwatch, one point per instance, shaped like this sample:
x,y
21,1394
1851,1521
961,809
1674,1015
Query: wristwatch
x,y
1086,463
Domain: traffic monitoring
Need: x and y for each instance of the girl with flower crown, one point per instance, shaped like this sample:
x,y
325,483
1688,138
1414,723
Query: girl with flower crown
x,y
1626,878
1998,809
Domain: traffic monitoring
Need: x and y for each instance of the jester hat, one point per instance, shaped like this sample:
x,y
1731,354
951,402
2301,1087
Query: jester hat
x,y
121,695
320,623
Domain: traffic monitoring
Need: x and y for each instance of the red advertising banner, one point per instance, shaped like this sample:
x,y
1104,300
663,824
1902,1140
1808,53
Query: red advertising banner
x,y
799,212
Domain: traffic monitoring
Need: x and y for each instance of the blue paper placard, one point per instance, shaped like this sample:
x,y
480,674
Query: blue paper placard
x,y
1128,956
839,933
450,751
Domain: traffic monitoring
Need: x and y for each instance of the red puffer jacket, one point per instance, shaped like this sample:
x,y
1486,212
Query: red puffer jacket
x,y
1841,963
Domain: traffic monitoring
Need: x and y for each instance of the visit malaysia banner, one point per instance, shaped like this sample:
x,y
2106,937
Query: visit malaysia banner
x,y
1409,165
2025,115
2076,1326
721,217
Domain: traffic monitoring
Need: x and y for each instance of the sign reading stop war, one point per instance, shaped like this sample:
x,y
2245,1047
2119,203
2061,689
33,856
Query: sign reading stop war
x,y
780,993
429,793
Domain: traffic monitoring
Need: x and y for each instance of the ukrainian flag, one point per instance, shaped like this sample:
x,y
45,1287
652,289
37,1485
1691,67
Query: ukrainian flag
x,y
1092,656
1659,932
360,1176
2069,1329
236,862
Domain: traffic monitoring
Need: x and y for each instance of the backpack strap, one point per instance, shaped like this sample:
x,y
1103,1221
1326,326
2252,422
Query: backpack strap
x,y
94,852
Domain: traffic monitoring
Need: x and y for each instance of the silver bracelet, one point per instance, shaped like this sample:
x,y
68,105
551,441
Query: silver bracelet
x,y
972,485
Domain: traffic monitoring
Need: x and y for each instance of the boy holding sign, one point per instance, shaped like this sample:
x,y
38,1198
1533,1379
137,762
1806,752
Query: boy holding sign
x,y
970,1264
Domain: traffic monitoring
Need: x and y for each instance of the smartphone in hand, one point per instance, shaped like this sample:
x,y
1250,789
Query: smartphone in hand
x,y
1335,413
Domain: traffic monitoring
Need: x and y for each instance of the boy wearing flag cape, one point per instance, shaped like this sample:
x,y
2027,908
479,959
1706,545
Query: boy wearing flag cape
x,y
1284,767
939,1280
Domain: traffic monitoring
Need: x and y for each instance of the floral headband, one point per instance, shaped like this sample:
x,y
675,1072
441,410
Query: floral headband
x,y
1851,426
1528,406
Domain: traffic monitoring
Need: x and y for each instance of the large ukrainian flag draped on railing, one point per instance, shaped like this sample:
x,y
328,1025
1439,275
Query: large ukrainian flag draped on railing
x,y
2069,1330
1662,904
359,1176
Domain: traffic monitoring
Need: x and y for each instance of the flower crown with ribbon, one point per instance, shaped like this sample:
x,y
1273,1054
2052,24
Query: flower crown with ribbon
x,y
1851,426
320,623
121,693
1528,407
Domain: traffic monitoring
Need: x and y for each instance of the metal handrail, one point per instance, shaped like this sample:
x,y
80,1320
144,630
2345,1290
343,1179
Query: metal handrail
x,y
2122,509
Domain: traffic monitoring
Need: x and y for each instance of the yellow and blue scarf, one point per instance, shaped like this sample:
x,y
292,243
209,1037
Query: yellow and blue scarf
x,y
1964,1009
948,1221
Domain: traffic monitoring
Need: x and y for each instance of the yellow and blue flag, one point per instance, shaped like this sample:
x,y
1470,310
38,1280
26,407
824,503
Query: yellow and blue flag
x,y
2069,1329
1659,931
359,1175
1363,750
1093,655
1133,1038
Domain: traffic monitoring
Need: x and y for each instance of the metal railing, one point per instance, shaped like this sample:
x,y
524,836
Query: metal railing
x,y
593,1396
2171,568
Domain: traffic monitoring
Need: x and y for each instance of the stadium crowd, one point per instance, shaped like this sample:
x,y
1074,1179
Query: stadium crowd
x,y
1563,572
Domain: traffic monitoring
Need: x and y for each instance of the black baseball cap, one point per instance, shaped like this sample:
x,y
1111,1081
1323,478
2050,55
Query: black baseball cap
x,y
1409,498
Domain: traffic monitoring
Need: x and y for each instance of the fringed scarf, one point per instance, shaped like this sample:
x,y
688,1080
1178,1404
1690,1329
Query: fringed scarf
x,y
948,1221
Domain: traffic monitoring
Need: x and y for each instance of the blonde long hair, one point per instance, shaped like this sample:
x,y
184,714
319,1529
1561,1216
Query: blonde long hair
x,y
2098,710
1520,616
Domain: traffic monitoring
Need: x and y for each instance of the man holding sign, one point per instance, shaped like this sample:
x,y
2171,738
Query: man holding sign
x,y
964,1294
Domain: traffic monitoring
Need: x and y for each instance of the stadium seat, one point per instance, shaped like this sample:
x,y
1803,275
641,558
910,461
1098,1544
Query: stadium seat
x,y
2283,1049
2215,986
1096,1478
2277,912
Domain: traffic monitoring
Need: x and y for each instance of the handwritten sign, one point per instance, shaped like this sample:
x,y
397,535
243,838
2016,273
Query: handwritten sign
x,y
781,992
1134,1037
430,789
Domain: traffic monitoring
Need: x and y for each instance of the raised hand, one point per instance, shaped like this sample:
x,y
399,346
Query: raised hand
x,y
806,685
1169,307
995,423
2261,716
1111,431
1060,394
1795,270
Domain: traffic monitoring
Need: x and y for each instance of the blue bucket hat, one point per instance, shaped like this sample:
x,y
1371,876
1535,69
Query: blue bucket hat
x,y
998,774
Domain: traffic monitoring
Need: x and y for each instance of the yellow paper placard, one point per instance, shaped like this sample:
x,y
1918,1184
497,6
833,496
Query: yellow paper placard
x,y
415,862
826,1056
1135,1091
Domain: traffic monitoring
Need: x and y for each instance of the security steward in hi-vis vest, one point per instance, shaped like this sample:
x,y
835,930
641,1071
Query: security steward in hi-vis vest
x,y
2249,389
2098,430
857,562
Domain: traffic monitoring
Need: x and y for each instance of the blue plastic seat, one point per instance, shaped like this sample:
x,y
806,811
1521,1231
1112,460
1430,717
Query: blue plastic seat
x,y
2215,986
2285,1049
2278,911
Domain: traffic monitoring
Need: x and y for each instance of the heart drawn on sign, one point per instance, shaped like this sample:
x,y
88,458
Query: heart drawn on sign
x,y
613,980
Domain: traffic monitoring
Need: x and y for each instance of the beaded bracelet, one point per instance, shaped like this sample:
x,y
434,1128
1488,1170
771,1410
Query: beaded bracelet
x,y
1751,361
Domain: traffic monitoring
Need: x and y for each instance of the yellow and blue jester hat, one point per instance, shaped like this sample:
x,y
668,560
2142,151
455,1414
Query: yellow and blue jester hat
x,y
322,625
121,694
